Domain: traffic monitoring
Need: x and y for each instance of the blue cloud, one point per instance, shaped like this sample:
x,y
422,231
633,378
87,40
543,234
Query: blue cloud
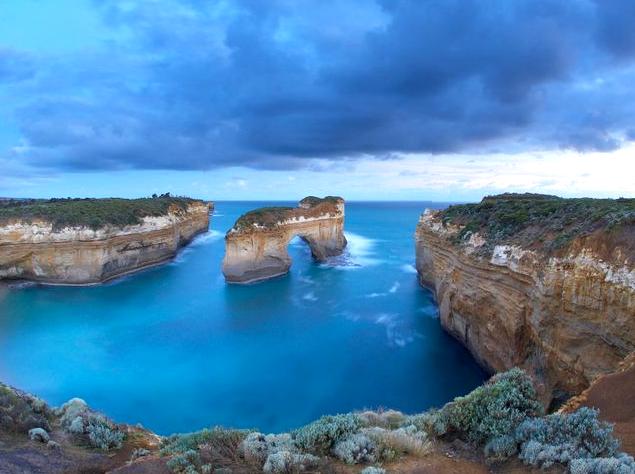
x,y
200,85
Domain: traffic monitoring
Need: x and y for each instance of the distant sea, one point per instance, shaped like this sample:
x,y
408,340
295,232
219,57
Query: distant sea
x,y
176,349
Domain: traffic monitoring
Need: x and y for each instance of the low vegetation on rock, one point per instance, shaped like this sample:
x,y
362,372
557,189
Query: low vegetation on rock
x,y
502,419
21,412
269,217
536,220
562,438
89,212
490,411
89,427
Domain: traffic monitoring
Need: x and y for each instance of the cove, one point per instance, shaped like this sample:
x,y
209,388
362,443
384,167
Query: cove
x,y
177,349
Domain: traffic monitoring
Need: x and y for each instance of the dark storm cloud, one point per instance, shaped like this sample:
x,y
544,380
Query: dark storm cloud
x,y
196,85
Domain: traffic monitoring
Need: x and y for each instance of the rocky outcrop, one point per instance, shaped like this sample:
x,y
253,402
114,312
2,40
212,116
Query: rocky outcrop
x,y
37,250
567,316
256,246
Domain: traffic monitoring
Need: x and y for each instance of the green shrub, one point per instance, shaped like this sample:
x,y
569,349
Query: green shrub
x,y
492,410
93,213
393,443
373,470
560,438
186,462
223,442
384,419
103,434
620,464
20,412
256,447
356,448
423,421
321,435
70,411
501,448
535,219
287,462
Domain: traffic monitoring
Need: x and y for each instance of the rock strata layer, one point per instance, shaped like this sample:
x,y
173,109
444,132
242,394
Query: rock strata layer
x,y
256,246
566,317
38,251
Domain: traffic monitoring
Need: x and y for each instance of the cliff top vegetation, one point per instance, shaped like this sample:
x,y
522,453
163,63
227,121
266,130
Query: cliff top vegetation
x,y
89,212
269,217
501,419
540,221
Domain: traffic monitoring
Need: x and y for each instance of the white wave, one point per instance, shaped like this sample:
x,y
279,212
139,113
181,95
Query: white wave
x,y
395,286
375,295
310,296
209,236
430,311
386,319
199,240
396,334
359,252
306,279
408,268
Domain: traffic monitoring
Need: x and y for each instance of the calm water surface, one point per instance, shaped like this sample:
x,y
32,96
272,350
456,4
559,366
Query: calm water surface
x,y
177,349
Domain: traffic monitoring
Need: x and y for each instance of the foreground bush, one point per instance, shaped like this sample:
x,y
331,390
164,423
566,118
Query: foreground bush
x,y
562,438
620,464
87,426
357,448
287,462
220,443
257,447
490,411
321,435
20,412
103,434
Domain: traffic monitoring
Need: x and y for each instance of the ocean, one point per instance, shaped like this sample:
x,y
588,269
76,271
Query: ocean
x,y
176,349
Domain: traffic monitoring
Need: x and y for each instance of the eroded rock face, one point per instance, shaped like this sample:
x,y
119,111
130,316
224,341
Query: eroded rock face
x,y
256,247
566,318
80,255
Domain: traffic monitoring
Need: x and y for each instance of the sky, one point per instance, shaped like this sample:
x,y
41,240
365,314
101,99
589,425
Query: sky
x,y
444,100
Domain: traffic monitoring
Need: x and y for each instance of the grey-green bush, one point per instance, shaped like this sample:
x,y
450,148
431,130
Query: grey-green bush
x,y
501,448
321,435
357,448
373,470
561,438
492,410
186,462
393,443
620,464
256,447
286,462
223,441
103,434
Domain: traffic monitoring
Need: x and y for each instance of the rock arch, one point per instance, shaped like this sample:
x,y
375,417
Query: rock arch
x,y
256,246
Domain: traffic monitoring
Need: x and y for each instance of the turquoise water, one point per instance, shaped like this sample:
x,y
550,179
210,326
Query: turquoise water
x,y
177,349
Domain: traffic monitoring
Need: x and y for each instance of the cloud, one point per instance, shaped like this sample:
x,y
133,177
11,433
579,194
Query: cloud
x,y
276,85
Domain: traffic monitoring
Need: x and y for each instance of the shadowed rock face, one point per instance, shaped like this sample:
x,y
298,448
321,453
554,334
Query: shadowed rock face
x,y
256,247
37,251
567,316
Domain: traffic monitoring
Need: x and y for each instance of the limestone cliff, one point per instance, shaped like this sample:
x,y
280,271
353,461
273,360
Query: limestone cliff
x,y
38,249
544,283
256,246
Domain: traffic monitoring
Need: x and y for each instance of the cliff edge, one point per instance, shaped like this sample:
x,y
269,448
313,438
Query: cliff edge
x,y
540,282
88,241
256,246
